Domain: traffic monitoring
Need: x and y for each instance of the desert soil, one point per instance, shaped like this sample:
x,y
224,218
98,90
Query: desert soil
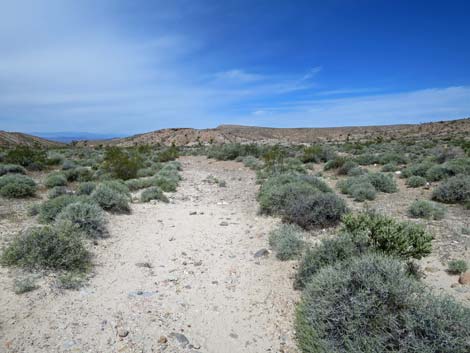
x,y
177,277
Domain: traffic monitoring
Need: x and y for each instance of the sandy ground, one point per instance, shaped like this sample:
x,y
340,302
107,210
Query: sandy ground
x,y
177,277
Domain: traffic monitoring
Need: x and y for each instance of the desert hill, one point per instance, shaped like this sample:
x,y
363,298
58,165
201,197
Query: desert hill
x,y
247,134
10,139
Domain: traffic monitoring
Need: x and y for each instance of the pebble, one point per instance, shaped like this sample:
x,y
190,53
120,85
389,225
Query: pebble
x,y
122,332
224,224
261,253
162,340
464,278
182,339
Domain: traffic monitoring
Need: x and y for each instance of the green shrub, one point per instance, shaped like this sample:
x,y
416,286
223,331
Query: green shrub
x,y
86,217
367,159
453,190
314,210
403,239
346,168
120,164
415,181
383,182
362,191
140,183
79,174
335,163
30,157
153,193
457,267
11,169
68,164
48,210
356,171
86,188
419,169
17,186
329,252
111,199
56,247
390,167
426,209
57,191
252,162
278,189
55,179
287,241
165,183
437,173
24,284
71,280
370,304
169,154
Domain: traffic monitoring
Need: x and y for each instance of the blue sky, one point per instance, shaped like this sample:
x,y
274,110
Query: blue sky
x,y
123,67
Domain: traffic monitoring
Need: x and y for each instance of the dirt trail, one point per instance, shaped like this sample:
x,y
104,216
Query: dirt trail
x,y
167,274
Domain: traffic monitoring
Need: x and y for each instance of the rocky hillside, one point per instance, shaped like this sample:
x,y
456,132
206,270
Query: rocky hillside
x,y
246,134
11,139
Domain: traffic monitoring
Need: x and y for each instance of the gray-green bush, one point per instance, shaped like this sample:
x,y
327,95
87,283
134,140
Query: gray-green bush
x,y
17,186
426,209
111,199
153,193
370,304
453,190
86,217
415,181
287,241
55,179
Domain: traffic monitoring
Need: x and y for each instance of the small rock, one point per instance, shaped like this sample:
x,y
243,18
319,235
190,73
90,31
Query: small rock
x,y
122,332
198,263
162,340
144,264
224,224
464,278
192,213
261,253
431,269
182,339
233,335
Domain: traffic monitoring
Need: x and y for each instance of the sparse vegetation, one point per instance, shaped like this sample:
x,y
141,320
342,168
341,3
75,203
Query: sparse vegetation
x,y
153,193
457,267
111,198
55,179
415,181
86,217
454,190
426,209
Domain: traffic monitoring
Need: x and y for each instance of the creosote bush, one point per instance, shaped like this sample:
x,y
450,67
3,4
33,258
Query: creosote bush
x,y
57,247
88,218
287,241
17,186
426,209
402,239
371,304
120,164
153,193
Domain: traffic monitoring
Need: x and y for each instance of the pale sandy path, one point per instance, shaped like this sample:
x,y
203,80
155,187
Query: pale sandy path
x,y
204,281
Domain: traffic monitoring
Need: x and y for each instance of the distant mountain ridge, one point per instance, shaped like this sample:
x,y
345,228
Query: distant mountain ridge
x,y
248,134
69,136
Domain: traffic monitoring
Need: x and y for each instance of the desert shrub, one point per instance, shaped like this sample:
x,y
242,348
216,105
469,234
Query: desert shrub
x,y
71,280
287,241
458,166
437,173
140,183
329,252
24,284
86,217
55,179
118,186
11,169
390,167
153,193
453,190
86,188
383,182
426,209
456,267
17,186
80,174
68,164
57,191
49,209
30,157
57,247
370,304
346,167
111,199
54,158
366,159
362,191
147,172
276,190
415,181
312,210
356,171
335,163
419,169
120,164
168,154
402,239
167,184
392,157
230,151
